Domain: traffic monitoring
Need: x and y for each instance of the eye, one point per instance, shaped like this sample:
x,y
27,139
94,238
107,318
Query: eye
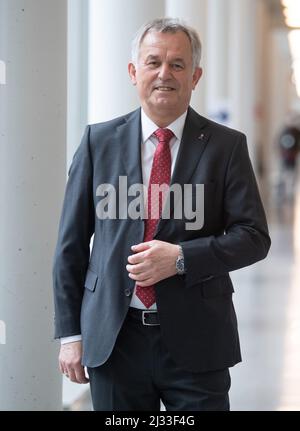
x,y
177,66
152,63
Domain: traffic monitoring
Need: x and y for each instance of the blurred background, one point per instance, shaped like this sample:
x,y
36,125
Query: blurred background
x,y
63,64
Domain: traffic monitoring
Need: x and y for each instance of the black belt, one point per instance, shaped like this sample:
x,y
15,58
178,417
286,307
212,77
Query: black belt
x,y
147,317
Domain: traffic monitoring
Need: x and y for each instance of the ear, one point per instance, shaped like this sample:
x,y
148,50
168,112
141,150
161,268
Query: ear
x,y
132,73
196,76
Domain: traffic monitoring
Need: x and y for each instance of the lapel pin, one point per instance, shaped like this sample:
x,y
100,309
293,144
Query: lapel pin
x,y
202,136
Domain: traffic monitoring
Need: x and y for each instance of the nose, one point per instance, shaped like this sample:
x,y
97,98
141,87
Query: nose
x,y
164,72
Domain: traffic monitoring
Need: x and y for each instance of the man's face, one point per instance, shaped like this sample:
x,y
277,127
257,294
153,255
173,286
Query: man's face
x,y
164,74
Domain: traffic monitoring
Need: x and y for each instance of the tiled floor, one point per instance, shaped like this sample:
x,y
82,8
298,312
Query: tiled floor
x,y
267,301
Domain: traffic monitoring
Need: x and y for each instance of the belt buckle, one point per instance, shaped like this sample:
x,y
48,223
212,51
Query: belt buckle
x,y
143,318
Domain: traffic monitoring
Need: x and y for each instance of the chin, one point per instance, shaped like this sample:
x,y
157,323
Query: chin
x,y
164,103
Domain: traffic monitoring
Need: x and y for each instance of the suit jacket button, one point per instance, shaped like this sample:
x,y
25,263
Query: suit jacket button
x,y
127,292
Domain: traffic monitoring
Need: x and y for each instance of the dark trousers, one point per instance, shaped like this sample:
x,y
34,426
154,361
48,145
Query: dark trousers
x,y
140,373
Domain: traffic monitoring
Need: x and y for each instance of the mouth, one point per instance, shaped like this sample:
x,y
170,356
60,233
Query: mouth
x,y
164,89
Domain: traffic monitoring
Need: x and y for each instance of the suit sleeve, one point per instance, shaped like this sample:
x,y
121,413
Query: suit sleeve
x,y
73,246
245,240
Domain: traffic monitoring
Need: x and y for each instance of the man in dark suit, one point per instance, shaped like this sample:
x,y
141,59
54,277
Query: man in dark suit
x,y
149,311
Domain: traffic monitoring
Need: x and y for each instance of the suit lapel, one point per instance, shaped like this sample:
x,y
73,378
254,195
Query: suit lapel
x,y
194,140
130,138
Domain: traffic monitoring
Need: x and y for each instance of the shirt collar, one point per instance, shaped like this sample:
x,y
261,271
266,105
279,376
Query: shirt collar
x,y
148,127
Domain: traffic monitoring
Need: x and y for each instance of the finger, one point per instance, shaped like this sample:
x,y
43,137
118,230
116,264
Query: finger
x,y
72,375
61,368
140,278
80,375
136,269
134,259
141,247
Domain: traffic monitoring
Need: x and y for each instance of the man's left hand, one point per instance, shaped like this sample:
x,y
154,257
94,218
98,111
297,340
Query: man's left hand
x,y
153,261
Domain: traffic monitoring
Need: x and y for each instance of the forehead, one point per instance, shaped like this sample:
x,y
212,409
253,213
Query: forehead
x,y
157,43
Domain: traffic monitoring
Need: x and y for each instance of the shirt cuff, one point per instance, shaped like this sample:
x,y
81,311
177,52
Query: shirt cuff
x,y
71,339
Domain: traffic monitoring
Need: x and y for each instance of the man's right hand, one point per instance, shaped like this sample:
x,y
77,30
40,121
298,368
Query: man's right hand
x,y
70,362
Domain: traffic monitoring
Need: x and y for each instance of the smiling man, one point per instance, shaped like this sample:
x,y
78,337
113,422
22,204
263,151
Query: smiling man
x,y
165,75
149,311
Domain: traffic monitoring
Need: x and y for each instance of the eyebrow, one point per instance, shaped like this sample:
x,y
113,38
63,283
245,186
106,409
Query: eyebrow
x,y
152,57
156,57
178,60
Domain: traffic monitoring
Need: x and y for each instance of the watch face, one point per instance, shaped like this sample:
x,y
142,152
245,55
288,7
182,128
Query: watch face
x,y
180,265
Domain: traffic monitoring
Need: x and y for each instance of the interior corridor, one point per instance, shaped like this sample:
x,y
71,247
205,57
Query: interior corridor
x,y
267,302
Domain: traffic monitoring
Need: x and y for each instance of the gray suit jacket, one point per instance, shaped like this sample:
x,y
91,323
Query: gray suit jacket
x,y
93,291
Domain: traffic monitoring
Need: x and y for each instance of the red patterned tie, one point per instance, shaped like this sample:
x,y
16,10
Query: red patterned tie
x,y
160,174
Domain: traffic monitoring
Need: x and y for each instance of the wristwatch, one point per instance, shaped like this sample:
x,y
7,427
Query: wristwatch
x,y
180,268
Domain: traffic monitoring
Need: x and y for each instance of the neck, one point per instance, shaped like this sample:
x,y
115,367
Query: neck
x,y
162,120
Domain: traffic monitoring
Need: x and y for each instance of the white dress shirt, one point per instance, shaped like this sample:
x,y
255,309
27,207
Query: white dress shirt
x,y
148,147
149,143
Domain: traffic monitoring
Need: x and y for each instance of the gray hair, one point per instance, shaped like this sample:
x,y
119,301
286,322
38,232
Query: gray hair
x,y
167,25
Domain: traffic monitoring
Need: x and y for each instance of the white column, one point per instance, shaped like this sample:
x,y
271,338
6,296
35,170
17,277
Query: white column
x,y
193,12
242,68
217,97
32,166
77,74
280,94
77,116
113,24
264,145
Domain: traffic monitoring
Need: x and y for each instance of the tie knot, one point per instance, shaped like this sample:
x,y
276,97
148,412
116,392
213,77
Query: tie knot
x,y
164,135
